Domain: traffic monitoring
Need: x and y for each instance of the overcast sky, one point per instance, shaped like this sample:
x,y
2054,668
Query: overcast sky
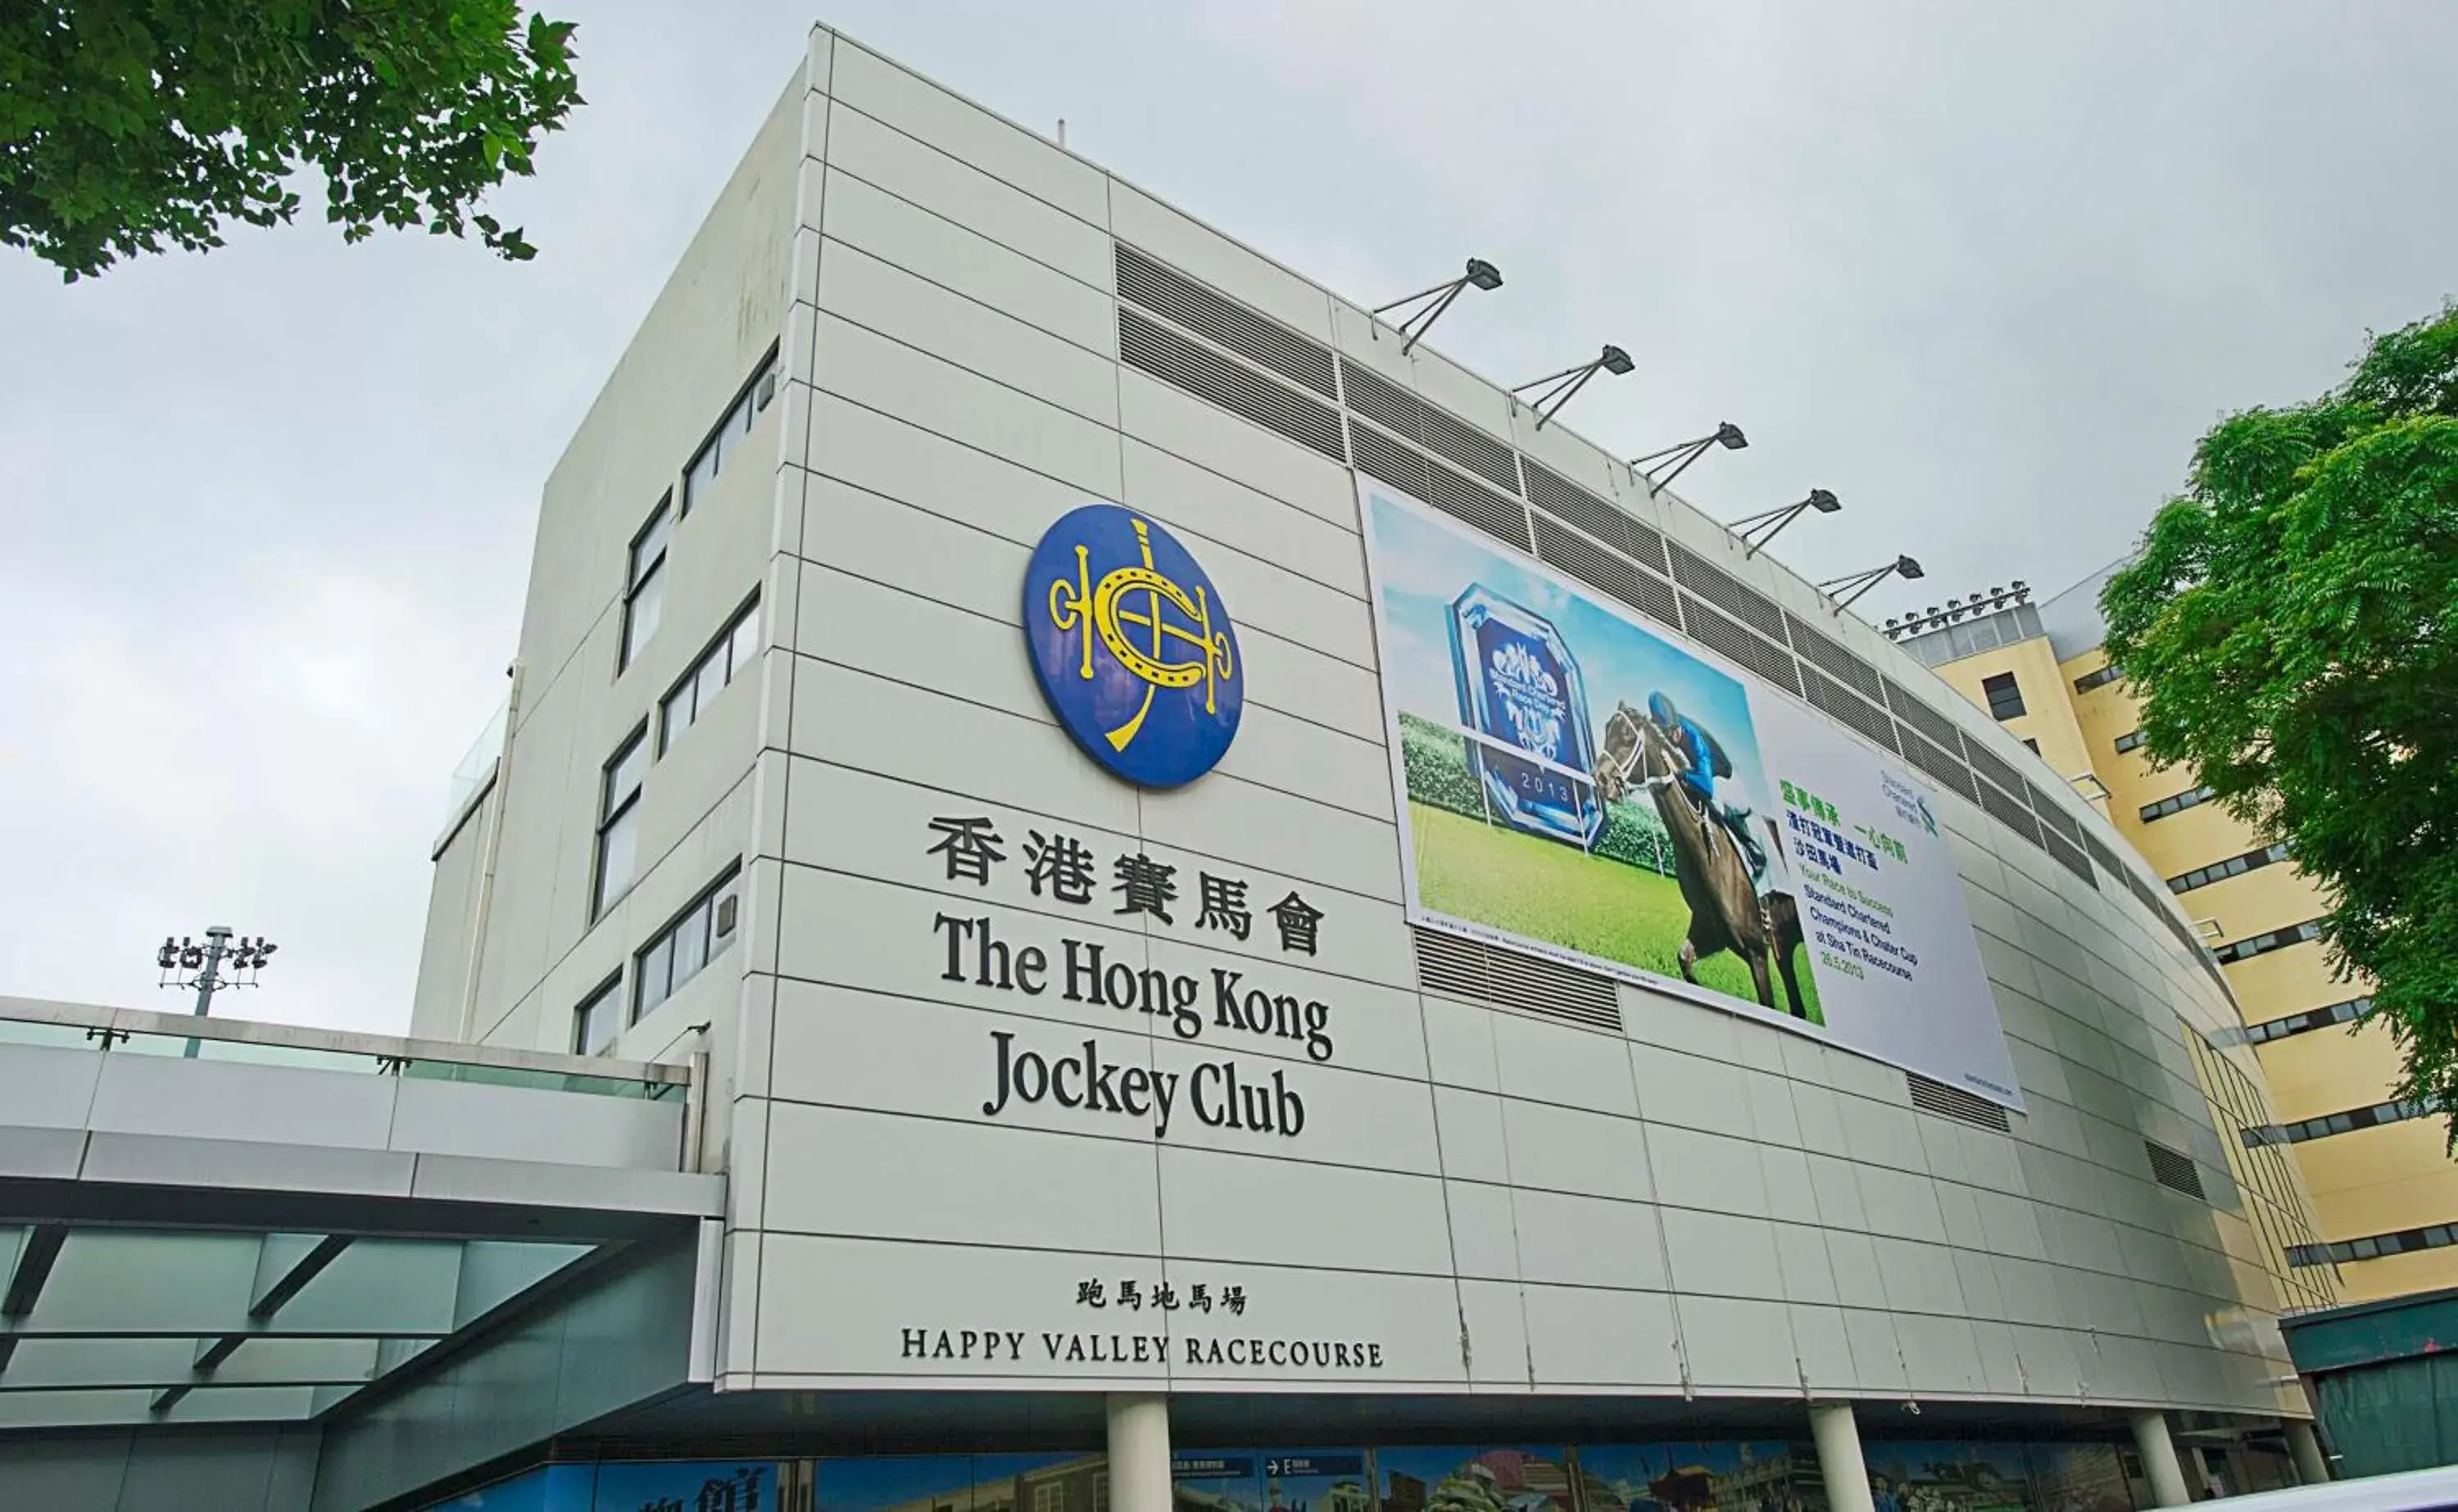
x,y
1985,271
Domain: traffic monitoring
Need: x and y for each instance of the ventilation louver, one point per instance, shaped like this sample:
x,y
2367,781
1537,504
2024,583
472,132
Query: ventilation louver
x,y
1468,968
2173,1170
1832,659
1727,592
1436,429
1729,639
1997,769
1953,1102
1606,571
1563,500
1242,390
2070,855
2055,817
1844,705
1911,711
1922,753
1217,318
2009,811
1453,492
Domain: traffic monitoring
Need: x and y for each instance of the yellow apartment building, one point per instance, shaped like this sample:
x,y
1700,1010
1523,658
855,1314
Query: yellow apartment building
x,y
2385,1192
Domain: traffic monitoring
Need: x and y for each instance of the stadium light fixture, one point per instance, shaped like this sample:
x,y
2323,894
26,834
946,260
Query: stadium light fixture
x,y
1558,387
1852,585
1432,302
1755,531
1672,460
222,962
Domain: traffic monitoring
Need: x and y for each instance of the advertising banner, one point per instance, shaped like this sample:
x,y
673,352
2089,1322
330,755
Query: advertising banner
x,y
1580,784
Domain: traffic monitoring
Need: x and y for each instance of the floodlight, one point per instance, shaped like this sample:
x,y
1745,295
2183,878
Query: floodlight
x,y
1852,585
1658,468
1571,380
1755,531
1432,302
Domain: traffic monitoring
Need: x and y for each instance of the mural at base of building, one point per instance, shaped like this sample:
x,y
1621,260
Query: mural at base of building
x,y
1672,1476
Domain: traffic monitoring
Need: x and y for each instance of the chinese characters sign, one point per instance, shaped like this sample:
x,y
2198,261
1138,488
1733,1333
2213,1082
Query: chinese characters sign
x,y
981,952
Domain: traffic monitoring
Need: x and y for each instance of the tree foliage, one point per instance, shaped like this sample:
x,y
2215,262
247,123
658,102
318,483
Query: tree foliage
x,y
127,126
2292,626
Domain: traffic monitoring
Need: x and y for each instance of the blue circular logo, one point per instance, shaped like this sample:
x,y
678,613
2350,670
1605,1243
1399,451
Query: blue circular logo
x,y
1133,647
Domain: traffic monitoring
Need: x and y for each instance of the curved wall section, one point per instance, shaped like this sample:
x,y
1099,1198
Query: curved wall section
x,y
1046,1081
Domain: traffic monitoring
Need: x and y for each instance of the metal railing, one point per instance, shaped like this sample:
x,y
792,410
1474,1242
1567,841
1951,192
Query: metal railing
x,y
141,1031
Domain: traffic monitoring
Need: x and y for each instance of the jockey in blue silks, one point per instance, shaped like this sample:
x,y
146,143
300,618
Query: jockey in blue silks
x,y
1704,761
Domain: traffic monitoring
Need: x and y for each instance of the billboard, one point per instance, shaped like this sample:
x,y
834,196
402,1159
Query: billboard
x,y
1578,783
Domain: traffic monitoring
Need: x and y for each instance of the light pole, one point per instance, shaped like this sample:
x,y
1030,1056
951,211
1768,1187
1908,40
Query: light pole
x,y
221,962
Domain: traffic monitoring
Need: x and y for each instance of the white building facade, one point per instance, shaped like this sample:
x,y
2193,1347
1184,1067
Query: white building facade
x,y
1051,1105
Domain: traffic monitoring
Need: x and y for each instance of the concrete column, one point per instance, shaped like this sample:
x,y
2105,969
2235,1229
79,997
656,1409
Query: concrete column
x,y
1139,1453
2159,1459
1837,1437
2312,1468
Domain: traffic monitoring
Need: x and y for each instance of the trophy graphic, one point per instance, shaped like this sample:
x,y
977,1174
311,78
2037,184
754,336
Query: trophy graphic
x,y
1524,709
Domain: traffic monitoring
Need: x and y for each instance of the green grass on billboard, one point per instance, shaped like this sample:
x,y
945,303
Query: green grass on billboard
x,y
1612,905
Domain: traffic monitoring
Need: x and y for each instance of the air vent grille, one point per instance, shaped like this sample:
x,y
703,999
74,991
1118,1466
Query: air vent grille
x,y
1472,448
2173,1170
1558,496
1259,338
1234,386
1911,711
1727,592
1953,1102
1835,661
2068,855
1454,493
2101,853
2053,815
2009,811
1468,968
1922,753
1605,571
1379,399
1723,635
1438,430
1996,768
1850,708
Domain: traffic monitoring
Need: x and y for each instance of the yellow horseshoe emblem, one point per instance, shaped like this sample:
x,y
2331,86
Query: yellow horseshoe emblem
x,y
1134,596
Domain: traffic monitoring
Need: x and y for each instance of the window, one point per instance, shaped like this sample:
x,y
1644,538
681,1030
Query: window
x,y
697,936
598,1018
727,439
2098,679
2264,945
2176,803
2031,745
2130,740
2306,1022
2329,1123
618,820
2233,866
644,593
2004,699
718,665
1050,1497
2435,1237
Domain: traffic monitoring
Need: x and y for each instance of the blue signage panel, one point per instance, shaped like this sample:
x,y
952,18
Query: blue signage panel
x,y
1133,647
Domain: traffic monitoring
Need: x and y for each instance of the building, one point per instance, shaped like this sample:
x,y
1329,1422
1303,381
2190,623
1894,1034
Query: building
x,y
1219,1005
2385,1192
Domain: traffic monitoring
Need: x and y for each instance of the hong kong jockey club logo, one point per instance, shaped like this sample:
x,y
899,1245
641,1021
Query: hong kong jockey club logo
x,y
1133,647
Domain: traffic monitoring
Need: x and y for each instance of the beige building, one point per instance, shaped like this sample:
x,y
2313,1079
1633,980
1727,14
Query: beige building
x,y
2385,1192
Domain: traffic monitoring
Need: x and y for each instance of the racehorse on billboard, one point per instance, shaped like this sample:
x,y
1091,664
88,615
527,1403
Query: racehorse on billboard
x,y
1727,911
